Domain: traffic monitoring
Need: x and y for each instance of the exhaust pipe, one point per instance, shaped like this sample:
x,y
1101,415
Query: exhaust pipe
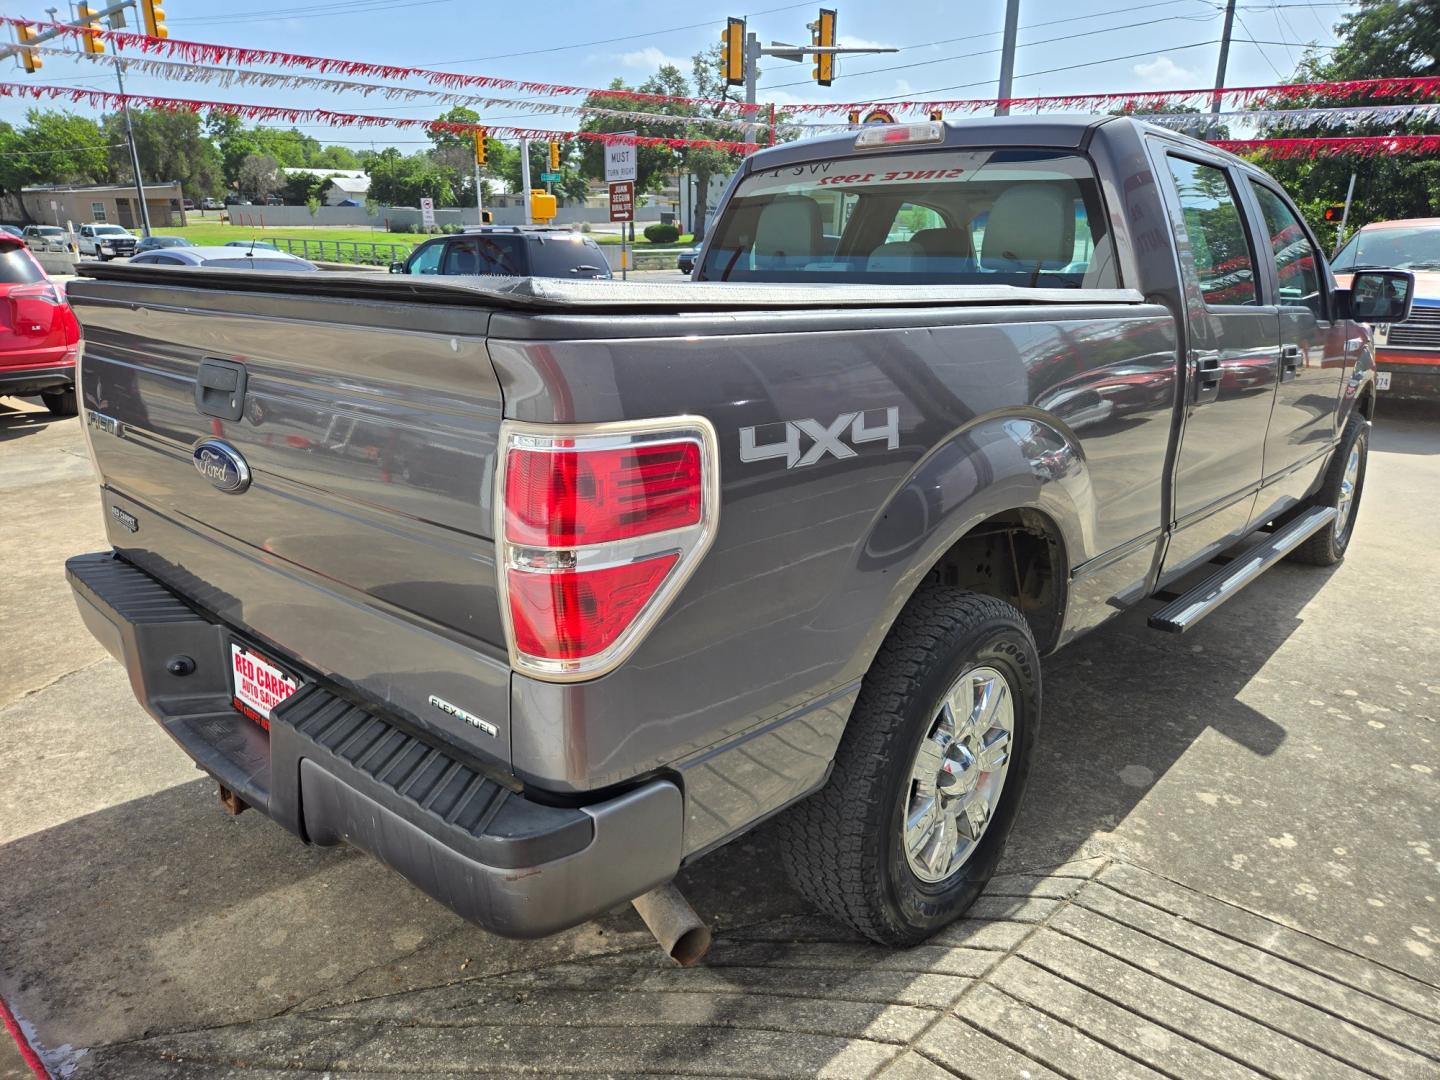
x,y
680,932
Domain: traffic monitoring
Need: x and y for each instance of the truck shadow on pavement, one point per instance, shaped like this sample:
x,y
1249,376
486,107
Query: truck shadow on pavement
x,y
15,423
161,916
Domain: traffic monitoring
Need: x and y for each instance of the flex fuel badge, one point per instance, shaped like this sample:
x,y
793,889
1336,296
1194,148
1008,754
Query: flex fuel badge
x,y
460,714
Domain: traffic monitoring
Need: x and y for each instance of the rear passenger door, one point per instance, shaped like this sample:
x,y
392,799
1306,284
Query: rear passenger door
x,y
1310,353
1230,364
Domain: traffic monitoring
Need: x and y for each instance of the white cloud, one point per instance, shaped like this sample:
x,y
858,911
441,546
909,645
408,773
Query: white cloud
x,y
1164,73
651,58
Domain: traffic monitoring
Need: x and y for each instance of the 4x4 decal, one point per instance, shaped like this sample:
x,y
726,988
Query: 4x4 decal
x,y
863,427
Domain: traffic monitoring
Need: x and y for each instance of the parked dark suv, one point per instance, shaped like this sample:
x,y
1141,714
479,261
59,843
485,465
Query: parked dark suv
x,y
509,251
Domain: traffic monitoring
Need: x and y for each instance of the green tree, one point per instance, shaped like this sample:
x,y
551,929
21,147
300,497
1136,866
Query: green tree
x,y
171,146
259,176
56,148
397,180
1378,39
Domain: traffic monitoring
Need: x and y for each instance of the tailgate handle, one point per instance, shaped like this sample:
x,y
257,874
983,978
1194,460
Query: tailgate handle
x,y
220,389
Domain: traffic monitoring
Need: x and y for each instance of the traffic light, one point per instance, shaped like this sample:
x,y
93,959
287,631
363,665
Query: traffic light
x,y
153,16
480,147
732,53
542,207
937,114
1335,214
28,57
853,118
824,34
90,31
554,157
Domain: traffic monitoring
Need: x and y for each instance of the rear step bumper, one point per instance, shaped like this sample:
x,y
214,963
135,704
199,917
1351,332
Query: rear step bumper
x,y
1185,611
332,771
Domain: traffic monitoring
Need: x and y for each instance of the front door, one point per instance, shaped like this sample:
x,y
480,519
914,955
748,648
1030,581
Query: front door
x,y
1230,368
1311,357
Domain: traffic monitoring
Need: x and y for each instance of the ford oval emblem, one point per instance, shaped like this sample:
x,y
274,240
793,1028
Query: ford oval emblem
x,y
222,465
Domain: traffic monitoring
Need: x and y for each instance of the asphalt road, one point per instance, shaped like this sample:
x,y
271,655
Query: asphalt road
x,y
1228,864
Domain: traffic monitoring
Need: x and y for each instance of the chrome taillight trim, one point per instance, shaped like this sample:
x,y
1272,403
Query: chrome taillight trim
x,y
691,541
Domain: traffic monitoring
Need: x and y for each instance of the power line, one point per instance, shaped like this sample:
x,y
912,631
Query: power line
x,y
921,95
62,150
991,52
1251,38
613,40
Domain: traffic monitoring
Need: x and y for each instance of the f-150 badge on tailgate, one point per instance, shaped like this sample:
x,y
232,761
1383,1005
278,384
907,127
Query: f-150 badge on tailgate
x,y
222,465
824,438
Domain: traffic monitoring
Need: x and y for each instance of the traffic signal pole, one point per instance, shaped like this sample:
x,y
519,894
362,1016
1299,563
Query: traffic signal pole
x,y
740,53
154,24
525,178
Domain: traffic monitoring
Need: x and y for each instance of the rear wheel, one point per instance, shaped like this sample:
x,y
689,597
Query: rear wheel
x,y
929,775
1343,486
60,402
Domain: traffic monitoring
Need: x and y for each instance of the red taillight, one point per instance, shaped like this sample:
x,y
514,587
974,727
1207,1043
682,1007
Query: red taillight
x,y
566,498
599,528
572,614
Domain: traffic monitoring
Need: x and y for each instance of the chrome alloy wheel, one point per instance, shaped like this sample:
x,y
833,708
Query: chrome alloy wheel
x,y
958,774
1345,504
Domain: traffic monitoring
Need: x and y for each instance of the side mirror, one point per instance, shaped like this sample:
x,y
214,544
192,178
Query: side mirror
x,y
1380,296
397,267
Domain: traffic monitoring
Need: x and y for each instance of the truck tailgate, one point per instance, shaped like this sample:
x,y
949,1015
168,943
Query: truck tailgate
x,y
362,547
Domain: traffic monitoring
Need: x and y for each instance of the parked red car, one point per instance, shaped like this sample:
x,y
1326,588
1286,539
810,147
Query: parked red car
x,y
39,337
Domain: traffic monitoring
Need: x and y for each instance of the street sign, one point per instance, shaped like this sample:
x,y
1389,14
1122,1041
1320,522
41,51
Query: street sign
x,y
551,177
427,211
620,158
622,201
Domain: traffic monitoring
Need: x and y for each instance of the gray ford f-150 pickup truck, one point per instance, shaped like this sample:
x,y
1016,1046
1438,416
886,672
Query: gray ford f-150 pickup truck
x,y
538,590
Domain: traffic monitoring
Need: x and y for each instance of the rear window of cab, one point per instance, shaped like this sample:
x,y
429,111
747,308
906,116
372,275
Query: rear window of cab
x,y
1030,218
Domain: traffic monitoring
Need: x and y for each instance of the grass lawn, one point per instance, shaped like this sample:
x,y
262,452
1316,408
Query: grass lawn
x,y
213,232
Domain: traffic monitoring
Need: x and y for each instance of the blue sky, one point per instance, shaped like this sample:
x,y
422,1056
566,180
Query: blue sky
x,y
1153,44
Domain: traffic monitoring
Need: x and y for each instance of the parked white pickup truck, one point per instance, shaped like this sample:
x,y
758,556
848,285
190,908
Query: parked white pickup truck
x,y
102,241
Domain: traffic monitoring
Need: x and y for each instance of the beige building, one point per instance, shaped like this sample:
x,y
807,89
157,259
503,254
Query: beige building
x,y
115,204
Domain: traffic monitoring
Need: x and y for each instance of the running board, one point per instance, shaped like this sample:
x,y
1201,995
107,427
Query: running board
x,y
1180,615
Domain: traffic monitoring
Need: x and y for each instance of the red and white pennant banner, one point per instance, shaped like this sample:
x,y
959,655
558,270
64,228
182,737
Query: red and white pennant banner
x,y
1360,146
199,52
104,99
1150,100
228,76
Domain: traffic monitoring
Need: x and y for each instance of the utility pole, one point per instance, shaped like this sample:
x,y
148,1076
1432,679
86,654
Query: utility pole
x,y
1006,89
134,154
1345,214
1215,101
525,177
752,76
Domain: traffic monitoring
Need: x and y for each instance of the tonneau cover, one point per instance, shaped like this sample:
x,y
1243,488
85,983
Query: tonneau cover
x,y
557,294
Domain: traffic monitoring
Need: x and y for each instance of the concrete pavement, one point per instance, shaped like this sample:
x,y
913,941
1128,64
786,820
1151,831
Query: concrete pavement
x,y
1228,865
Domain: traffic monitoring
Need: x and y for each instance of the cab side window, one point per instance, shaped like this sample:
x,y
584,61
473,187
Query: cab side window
x,y
1297,263
427,259
1216,231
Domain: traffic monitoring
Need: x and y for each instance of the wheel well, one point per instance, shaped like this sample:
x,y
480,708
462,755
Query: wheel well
x,y
1019,557
1366,404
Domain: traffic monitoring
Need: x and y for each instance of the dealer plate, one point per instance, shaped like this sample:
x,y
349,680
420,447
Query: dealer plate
x,y
259,684
1382,380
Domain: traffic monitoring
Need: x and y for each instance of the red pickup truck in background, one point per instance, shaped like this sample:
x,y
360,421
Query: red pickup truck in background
x,y
1407,354
39,337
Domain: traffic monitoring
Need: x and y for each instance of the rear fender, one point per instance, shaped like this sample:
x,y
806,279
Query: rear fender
x,y
1022,460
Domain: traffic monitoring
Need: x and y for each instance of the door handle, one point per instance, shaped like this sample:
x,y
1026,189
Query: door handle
x,y
1290,361
1207,378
